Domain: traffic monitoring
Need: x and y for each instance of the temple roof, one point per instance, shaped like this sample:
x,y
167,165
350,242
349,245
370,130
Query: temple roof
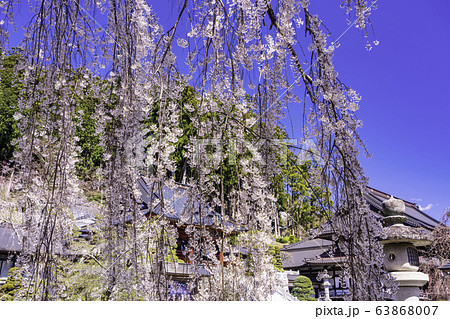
x,y
8,240
415,217
313,251
178,204
295,255
326,260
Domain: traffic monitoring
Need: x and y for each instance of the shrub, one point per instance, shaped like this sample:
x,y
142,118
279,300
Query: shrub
x,y
303,288
293,239
12,284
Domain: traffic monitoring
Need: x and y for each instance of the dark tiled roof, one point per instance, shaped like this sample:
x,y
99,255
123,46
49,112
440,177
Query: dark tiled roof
x,y
9,241
307,243
415,217
313,251
84,216
177,199
295,255
326,261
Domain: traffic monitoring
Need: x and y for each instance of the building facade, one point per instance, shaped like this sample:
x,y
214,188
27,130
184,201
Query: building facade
x,y
311,256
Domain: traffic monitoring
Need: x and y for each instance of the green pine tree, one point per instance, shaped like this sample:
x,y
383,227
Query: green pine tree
x,y
10,87
303,289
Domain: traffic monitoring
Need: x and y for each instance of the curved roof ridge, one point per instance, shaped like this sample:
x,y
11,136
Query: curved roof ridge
x,y
412,210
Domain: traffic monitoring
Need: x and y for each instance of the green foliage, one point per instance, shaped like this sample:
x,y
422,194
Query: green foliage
x,y
306,205
276,257
283,240
95,196
288,239
12,285
303,289
82,277
228,170
91,155
172,256
293,239
10,87
188,98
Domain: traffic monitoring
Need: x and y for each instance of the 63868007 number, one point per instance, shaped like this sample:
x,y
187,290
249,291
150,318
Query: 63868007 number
x,y
406,310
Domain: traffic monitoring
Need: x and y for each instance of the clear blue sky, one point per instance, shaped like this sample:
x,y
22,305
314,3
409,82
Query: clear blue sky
x,y
405,87
404,83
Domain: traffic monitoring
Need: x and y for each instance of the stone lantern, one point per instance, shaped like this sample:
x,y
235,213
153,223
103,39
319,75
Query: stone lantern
x,y
401,257
326,283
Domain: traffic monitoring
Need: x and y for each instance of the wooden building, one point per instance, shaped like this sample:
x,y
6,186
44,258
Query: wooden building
x,y
312,255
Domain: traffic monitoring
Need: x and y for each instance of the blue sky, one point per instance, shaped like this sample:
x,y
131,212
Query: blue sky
x,y
404,83
404,87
